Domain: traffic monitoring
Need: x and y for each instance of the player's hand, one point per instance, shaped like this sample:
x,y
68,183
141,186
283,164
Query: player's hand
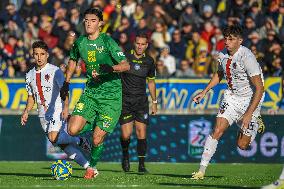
x,y
65,114
246,119
24,118
105,68
198,97
154,108
95,74
64,91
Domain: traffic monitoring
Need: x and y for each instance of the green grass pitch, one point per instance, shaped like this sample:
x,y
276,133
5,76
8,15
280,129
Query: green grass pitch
x,y
162,175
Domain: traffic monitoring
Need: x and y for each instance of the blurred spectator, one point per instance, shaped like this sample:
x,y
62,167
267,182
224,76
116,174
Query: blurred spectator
x,y
189,16
239,9
177,46
68,43
148,6
207,32
208,16
169,60
162,70
186,31
10,13
194,45
63,68
250,26
217,41
185,70
57,56
129,8
78,71
138,14
28,9
142,28
205,3
124,43
125,27
202,62
45,34
254,40
30,34
160,36
256,14
260,59
268,26
158,16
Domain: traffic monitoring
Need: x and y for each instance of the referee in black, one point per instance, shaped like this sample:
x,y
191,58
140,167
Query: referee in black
x,y
135,106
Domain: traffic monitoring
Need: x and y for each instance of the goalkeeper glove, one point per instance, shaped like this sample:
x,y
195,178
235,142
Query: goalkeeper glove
x,y
64,90
105,68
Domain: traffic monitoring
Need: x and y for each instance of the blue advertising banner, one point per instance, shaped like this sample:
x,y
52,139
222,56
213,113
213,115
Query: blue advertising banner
x,y
170,138
174,94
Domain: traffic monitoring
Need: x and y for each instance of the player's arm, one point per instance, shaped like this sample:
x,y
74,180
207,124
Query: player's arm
x,y
65,111
29,107
216,78
121,67
152,91
74,57
254,72
117,54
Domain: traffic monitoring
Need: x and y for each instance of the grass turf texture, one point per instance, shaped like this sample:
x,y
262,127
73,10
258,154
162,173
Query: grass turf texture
x,y
162,175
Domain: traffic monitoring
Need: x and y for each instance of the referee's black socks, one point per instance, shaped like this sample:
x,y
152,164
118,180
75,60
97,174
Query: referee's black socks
x,y
141,150
124,146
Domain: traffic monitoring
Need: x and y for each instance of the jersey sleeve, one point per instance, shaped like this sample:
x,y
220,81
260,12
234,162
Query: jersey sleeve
x,y
59,78
28,85
251,65
115,51
152,70
74,52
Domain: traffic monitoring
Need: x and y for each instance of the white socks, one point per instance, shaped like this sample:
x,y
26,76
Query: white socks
x,y
209,150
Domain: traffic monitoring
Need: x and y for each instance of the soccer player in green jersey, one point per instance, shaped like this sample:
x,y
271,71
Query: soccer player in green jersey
x,y
99,107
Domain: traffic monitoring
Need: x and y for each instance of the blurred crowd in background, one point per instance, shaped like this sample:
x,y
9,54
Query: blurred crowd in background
x,y
184,35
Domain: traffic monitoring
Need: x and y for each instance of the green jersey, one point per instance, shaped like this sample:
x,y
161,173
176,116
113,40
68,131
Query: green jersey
x,y
101,102
103,50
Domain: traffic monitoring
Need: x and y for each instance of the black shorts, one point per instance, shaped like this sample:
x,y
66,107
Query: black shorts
x,y
134,108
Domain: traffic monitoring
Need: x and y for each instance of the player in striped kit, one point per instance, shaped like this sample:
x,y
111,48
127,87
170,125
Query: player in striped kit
x,y
242,99
43,84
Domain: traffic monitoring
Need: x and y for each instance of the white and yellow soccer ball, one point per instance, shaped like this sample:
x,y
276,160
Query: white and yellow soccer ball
x,y
61,169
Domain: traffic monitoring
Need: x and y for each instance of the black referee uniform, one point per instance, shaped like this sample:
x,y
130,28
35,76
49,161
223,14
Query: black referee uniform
x,y
135,106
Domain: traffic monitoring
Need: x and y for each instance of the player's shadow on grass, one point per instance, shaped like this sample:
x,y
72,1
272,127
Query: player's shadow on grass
x,y
207,186
32,175
183,176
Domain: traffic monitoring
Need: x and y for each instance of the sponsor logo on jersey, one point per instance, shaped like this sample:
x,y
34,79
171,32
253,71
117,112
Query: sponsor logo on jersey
x,y
197,133
137,67
223,107
120,54
91,56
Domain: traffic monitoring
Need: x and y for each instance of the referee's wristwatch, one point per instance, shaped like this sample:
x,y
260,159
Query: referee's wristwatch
x,y
155,101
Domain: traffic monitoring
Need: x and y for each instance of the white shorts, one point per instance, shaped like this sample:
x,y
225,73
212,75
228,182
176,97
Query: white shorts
x,y
52,123
233,107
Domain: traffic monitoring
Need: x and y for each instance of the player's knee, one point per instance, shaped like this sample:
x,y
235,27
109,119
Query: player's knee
x,y
97,141
52,138
243,145
125,136
72,130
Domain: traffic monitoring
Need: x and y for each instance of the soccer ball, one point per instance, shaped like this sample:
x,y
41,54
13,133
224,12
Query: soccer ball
x,y
61,170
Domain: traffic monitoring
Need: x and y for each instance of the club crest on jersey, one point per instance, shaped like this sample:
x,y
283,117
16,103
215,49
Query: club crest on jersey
x,y
234,65
79,107
137,67
47,77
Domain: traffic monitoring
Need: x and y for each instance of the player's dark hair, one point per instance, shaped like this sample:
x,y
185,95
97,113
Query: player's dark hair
x,y
94,11
142,35
40,44
234,30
